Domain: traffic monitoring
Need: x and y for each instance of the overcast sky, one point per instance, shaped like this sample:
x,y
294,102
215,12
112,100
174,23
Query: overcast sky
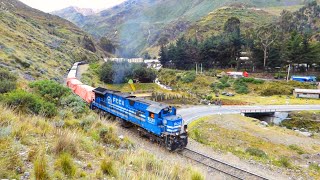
x,y
52,5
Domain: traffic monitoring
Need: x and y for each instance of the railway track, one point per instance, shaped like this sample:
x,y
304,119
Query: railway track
x,y
220,166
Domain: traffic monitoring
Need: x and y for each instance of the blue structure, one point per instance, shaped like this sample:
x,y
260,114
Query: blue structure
x,y
304,78
157,121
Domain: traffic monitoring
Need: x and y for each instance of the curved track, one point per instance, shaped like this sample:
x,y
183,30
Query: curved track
x,y
220,166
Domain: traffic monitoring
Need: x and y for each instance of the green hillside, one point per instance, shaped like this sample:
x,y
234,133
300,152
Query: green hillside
x,y
140,24
213,23
37,45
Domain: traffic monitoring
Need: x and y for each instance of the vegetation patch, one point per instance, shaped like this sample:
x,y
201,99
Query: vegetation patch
x,y
66,164
26,102
308,120
117,73
108,167
7,81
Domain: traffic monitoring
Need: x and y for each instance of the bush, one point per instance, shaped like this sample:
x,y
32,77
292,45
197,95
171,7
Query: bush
x,y
315,167
240,86
252,80
271,90
256,152
29,103
108,167
285,162
66,164
195,175
76,104
115,73
50,90
296,148
8,82
40,167
108,136
7,86
188,77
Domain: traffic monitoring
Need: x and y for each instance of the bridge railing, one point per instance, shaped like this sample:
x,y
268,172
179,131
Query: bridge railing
x,y
258,110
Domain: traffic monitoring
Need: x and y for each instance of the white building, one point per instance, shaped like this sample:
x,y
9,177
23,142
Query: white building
x,y
307,93
131,60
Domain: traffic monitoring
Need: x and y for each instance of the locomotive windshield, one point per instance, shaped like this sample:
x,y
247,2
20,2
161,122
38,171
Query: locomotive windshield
x,y
167,110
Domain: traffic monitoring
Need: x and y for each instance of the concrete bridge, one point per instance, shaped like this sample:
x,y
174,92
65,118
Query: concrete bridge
x,y
190,114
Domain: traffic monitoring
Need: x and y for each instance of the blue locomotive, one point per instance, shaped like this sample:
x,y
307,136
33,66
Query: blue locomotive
x,y
156,121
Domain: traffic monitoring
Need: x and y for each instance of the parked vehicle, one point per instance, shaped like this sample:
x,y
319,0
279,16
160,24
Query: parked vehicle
x,y
312,79
238,74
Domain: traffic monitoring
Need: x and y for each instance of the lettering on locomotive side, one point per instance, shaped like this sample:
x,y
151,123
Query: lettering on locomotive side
x,y
177,124
151,121
115,100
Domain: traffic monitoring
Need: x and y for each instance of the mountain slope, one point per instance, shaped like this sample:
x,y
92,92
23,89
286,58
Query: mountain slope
x,y
213,23
38,45
139,24
74,14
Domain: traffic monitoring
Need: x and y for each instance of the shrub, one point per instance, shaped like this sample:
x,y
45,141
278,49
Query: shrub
x,y
315,167
7,81
296,148
108,167
50,90
40,167
285,162
29,103
108,136
66,164
256,152
195,175
76,104
112,72
188,77
253,80
240,86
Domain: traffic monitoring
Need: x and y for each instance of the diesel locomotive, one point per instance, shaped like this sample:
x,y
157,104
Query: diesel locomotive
x,y
157,121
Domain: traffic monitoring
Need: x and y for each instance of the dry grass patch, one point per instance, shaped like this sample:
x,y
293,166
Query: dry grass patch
x,y
67,141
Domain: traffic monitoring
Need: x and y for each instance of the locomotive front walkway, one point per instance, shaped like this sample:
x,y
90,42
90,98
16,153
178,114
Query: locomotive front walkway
x,y
192,113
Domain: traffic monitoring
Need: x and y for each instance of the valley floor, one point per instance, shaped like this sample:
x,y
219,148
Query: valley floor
x,y
265,150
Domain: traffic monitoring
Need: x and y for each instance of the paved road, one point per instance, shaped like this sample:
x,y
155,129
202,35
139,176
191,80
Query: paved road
x,y
193,113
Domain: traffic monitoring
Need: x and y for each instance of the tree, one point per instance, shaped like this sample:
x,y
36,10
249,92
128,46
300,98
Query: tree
x,y
266,36
163,53
232,34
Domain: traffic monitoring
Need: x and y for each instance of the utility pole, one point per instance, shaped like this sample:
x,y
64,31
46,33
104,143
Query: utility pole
x,y
288,73
196,68
201,68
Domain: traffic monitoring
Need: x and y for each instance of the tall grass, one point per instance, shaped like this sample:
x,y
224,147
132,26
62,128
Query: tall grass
x,y
40,167
67,141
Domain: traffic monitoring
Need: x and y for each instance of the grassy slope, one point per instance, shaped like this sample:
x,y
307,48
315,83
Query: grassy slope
x,y
133,20
38,45
213,23
246,138
27,141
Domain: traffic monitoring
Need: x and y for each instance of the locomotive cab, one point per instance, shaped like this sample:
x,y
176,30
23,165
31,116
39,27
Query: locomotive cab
x,y
176,134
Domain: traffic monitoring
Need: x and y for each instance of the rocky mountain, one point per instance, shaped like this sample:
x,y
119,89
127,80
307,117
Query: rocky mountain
x,y
75,14
38,45
138,25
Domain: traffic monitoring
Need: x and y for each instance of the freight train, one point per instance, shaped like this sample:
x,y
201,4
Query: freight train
x,y
157,121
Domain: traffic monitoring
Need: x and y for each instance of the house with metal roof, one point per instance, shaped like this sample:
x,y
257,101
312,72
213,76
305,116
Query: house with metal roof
x,y
307,93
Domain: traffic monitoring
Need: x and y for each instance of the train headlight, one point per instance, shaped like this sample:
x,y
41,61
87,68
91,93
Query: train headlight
x,y
177,134
164,122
